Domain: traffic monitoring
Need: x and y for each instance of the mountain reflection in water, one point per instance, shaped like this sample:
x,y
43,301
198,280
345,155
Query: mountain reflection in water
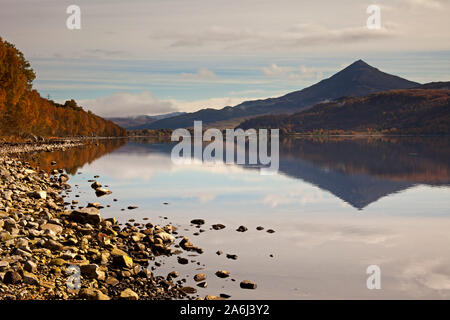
x,y
358,170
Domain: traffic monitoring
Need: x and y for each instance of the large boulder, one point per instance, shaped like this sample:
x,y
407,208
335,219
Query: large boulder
x,y
57,229
223,274
247,284
86,215
30,278
101,192
128,294
92,294
12,277
92,271
165,237
121,259
38,194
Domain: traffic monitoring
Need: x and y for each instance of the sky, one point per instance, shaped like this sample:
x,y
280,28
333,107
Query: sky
x,y
159,56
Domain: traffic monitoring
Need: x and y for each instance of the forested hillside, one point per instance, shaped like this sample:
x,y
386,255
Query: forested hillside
x,y
412,111
23,111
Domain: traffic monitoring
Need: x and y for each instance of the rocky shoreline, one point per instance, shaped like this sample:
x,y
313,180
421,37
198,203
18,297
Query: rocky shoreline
x,y
13,148
49,252
49,145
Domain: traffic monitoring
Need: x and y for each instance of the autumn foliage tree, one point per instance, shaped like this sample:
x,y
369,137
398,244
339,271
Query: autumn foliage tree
x,y
23,111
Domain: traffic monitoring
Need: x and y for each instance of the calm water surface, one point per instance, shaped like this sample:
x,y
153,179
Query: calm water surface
x,y
337,206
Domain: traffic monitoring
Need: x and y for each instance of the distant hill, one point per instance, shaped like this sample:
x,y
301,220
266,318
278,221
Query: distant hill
x,y
412,111
23,112
435,85
358,79
142,121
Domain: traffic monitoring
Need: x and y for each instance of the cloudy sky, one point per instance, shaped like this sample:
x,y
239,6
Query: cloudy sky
x,y
157,56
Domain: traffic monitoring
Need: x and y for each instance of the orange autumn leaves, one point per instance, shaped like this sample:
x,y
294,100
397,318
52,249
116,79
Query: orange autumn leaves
x,y
23,111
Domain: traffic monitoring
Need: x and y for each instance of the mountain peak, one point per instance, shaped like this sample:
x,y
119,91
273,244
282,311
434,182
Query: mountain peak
x,y
358,64
361,62
358,79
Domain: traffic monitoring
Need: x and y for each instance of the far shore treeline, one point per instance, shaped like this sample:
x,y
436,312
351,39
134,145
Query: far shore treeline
x,y
24,113
419,111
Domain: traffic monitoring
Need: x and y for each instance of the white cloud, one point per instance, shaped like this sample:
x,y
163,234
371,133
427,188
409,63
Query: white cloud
x,y
138,168
128,104
203,196
125,104
297,36
300,196
274,70
314,235
211,26
433,274
428,4
100,53
302,72
212,103
202,74
307,73
248,91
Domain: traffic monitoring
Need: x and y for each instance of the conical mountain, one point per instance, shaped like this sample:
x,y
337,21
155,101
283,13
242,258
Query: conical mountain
x,y
358,79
